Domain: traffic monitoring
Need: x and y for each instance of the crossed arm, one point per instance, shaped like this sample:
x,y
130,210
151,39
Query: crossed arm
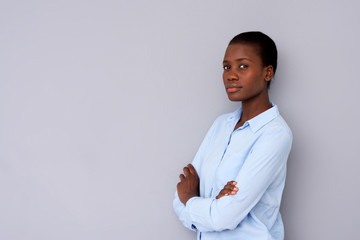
x,y
265,164
188,186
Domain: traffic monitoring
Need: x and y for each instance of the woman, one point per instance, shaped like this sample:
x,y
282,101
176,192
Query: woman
x,y
233,188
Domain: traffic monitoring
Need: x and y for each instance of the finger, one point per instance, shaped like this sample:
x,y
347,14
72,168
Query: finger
x,y
232,188
234,191
192,169
225,192
229,187
232,183
222,194
186,171
182,177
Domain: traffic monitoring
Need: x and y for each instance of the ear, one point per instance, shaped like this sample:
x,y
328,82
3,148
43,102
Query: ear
x,y
269,73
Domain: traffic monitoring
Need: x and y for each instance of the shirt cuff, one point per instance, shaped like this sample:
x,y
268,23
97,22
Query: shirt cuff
x,y
198,209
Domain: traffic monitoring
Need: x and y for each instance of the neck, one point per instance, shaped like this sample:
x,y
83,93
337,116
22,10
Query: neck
x,y
253,107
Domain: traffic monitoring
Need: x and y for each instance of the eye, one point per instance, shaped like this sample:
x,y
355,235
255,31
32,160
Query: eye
x,y
243,66
226,67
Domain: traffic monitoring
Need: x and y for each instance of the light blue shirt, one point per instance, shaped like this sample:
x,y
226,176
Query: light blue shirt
x,y
254,156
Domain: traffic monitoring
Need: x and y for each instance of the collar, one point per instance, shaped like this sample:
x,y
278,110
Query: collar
x,y
259,121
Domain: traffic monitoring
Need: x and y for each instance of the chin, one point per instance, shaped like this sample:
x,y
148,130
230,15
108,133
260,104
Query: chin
x,y
235,99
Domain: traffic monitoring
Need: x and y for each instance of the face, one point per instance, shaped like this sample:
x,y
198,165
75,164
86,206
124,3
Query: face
x,y
245,77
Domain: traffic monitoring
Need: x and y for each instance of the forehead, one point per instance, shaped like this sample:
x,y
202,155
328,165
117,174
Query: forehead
x,y
241,50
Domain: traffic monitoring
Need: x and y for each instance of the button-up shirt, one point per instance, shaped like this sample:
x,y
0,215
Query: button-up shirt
x,y
254,156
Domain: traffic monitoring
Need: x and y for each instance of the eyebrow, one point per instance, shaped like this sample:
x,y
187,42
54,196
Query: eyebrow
x,y
238,60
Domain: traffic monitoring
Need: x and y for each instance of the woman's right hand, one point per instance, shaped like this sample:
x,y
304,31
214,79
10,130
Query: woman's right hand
x,y
229,189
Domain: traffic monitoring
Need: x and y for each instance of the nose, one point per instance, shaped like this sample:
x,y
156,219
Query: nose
x,y
231,75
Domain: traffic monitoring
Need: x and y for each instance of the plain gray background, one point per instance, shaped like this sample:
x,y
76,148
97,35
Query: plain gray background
x,y
103,102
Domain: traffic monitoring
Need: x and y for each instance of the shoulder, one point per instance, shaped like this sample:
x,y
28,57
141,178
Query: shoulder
x,y
269,122
271,130
275,136
278,125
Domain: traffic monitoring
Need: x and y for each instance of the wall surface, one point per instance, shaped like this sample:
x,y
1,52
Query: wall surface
x,y
103,102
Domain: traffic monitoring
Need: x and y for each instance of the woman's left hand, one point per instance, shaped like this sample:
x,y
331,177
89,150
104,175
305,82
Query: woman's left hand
x,y
229,189
188,186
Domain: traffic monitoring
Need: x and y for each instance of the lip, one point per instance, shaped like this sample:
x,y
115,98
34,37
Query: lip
x,y
231,89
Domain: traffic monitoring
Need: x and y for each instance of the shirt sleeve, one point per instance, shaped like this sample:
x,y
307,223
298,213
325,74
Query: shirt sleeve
x,y
181,211
267,158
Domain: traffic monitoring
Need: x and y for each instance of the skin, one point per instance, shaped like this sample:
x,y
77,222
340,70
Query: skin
x,y
188,186
229,189
245,79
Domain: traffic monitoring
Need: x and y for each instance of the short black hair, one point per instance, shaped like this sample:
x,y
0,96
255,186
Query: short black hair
x,y
266,46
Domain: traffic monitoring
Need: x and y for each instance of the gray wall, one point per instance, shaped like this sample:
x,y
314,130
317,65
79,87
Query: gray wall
x,y
103,102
